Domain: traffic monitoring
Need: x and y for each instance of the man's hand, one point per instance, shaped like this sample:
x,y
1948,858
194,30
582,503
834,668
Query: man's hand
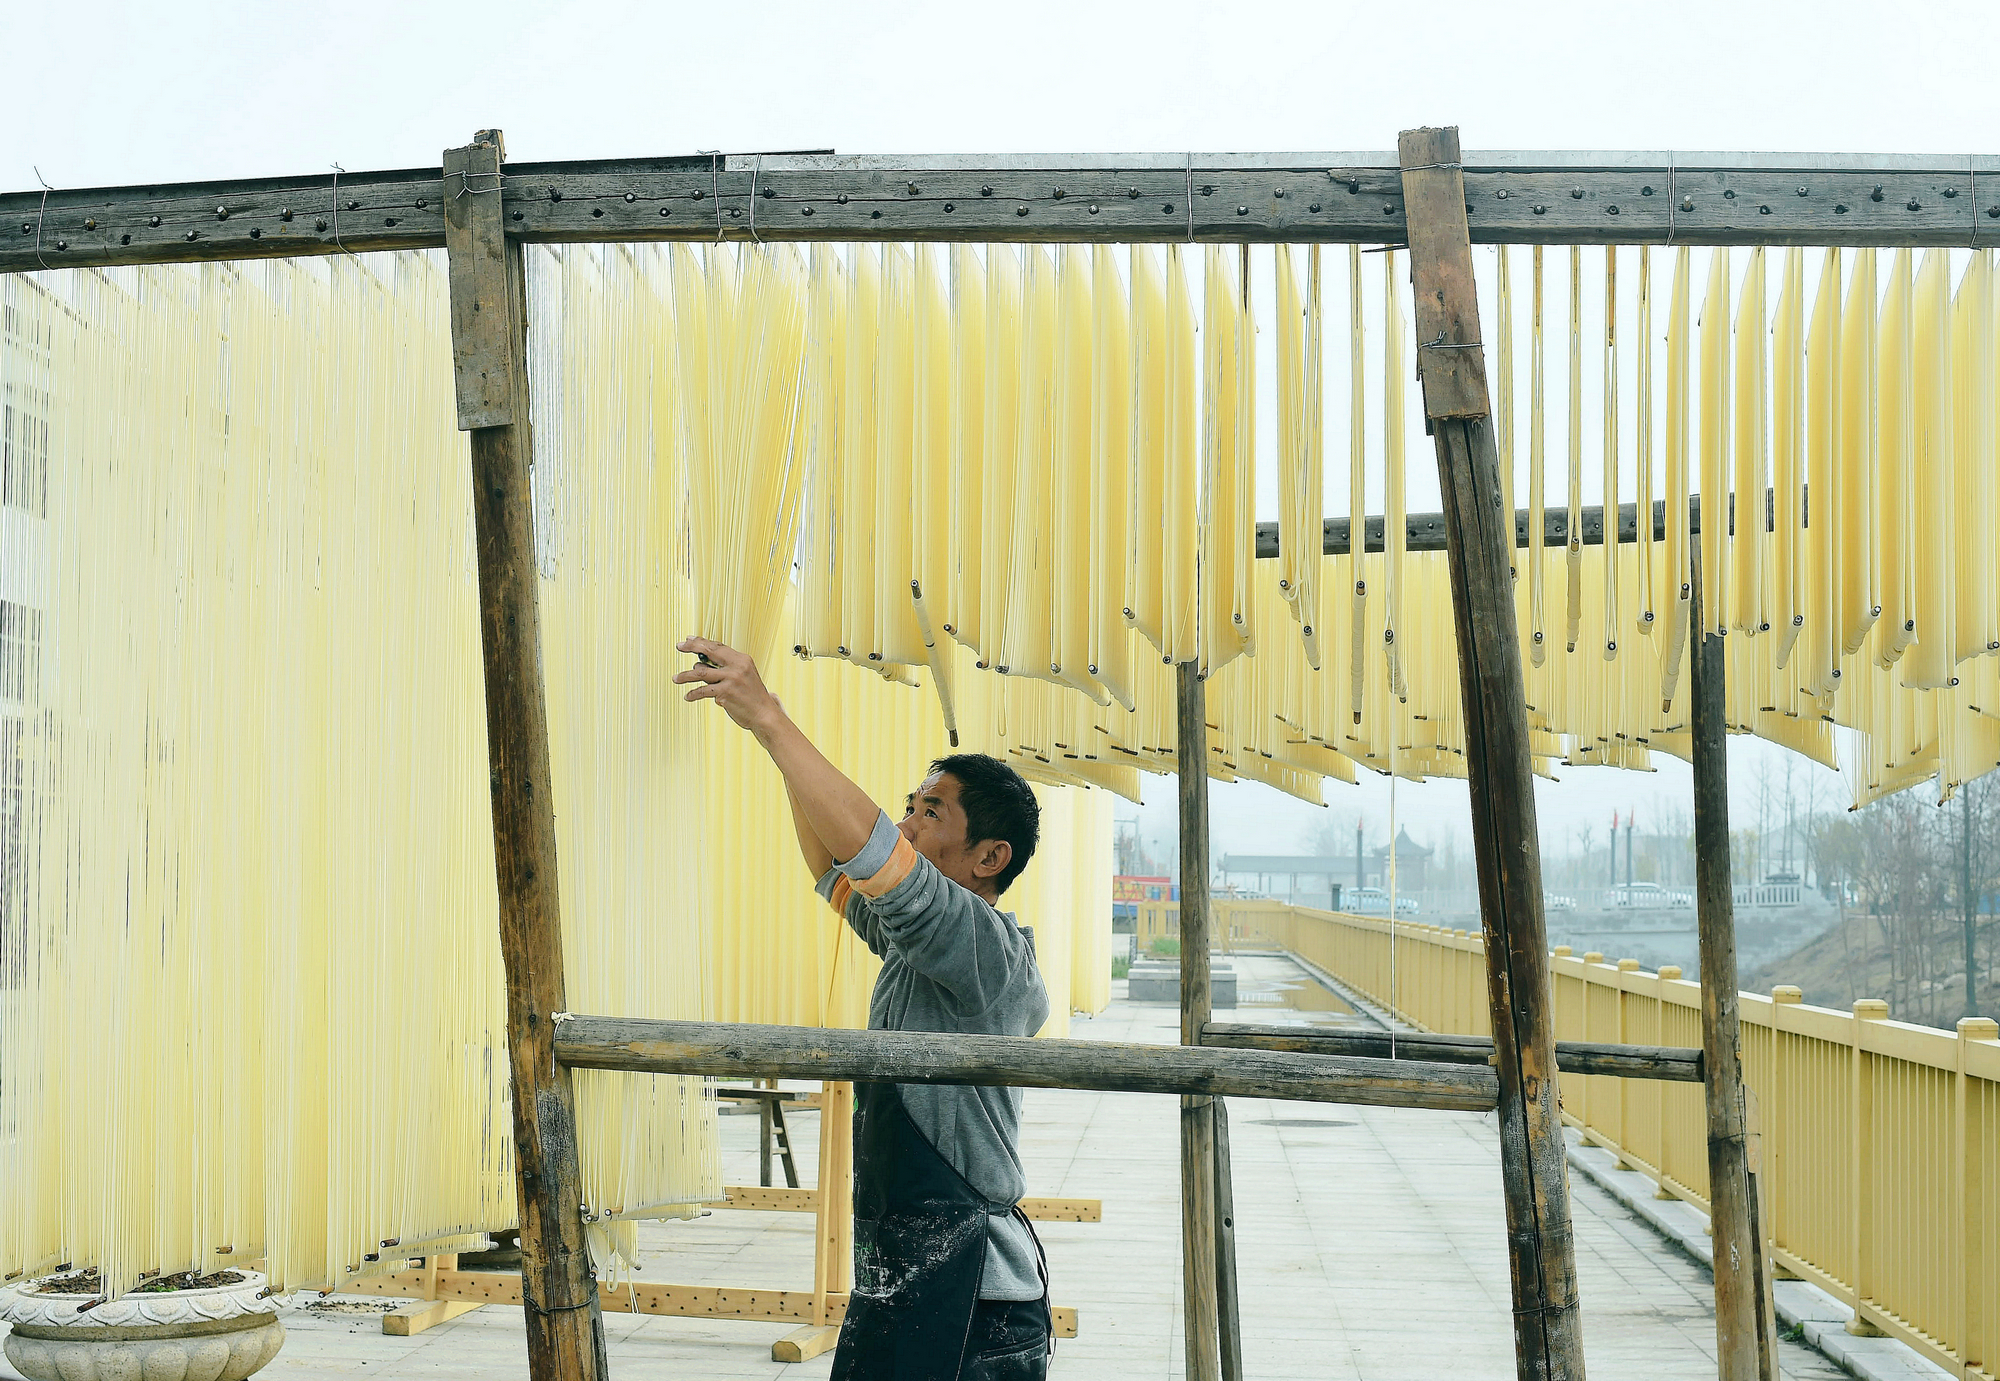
x,y
730,679
833,815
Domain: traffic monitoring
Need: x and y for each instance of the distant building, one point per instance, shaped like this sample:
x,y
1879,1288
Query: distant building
x,y
1129,890
1413,864
1319,879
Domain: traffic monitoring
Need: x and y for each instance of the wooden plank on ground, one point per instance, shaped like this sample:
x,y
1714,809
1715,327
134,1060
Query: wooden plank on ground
x,y
646,1297
804,1344
407,1320
1039,1208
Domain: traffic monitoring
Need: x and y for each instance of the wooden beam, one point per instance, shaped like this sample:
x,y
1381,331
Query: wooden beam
x,y
1745,1345
1426,531
644,1297
804,1344
1548,1336
770,1199
729,1050
420,1316
1679,1064
565,1330
1334,198
1043,1208
1038,1208
833,1253
1198,1211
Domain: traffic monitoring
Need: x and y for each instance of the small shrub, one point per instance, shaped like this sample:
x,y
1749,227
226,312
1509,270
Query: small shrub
x,y
1121,966
1165,947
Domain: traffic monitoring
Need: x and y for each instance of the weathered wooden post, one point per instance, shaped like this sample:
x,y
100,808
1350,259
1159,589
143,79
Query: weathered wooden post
x,y
1198,1241
489,349
1479,526
1228,1316
1745,1334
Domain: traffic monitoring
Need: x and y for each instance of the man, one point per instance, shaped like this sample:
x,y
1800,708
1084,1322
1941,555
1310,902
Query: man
x,y
949,1281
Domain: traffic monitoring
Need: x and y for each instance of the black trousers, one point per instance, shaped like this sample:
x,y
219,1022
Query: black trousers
x,y
1010,1341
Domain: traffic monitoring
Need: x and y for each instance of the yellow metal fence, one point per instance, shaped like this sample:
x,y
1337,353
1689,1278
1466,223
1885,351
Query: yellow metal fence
x,y
1881,1139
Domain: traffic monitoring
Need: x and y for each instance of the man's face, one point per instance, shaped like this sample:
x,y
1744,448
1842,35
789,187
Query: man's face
x,y
934,823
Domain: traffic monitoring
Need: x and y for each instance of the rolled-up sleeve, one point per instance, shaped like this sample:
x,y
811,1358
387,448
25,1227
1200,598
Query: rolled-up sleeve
x,y
893,897
949,935
853,908
876,853
849,888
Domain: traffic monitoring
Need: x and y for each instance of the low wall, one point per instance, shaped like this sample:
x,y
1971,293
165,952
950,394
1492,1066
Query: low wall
x,y
1880,1139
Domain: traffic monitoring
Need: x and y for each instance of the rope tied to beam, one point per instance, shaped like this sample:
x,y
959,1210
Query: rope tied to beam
x,y
1190,196
547,1309
337,171
715,188
756,170
42,213
1673,196
465,187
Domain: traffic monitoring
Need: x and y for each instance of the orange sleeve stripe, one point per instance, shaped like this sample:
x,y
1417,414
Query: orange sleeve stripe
x,y
901,860
842,890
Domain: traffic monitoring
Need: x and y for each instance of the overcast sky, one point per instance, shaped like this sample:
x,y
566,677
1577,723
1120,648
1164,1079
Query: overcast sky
x,y
127,93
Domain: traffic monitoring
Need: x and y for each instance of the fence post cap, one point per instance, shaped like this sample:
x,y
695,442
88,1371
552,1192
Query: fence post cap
x,y
1670,971
1593,957
1785,992
1978,1029
1562,951
1870,1009
1628,966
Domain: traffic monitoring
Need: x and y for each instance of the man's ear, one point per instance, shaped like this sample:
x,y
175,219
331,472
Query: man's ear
x,y
994,856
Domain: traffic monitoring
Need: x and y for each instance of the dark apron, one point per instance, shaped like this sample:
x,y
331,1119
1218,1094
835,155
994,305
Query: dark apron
x,y
920,1236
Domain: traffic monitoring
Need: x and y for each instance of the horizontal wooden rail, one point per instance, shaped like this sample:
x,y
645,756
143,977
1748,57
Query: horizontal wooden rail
x,y
1676,1063
1511,198
733,1051
1425,531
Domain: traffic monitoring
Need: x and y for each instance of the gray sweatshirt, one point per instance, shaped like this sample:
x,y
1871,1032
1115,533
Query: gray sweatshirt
x,y
951,963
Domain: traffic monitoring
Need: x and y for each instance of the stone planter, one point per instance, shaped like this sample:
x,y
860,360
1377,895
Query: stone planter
x,y
1159,980
222,1333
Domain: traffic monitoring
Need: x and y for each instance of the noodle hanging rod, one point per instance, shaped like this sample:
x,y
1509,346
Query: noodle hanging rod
x,y
1884,200
1425,531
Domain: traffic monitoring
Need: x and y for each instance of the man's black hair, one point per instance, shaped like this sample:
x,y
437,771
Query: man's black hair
x,y
998,804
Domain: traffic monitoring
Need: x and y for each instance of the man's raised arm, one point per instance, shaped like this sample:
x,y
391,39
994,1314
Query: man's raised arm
x,y
833,816
818,857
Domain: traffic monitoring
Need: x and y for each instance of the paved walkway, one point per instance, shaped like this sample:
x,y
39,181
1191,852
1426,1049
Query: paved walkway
x,y
1370,1244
